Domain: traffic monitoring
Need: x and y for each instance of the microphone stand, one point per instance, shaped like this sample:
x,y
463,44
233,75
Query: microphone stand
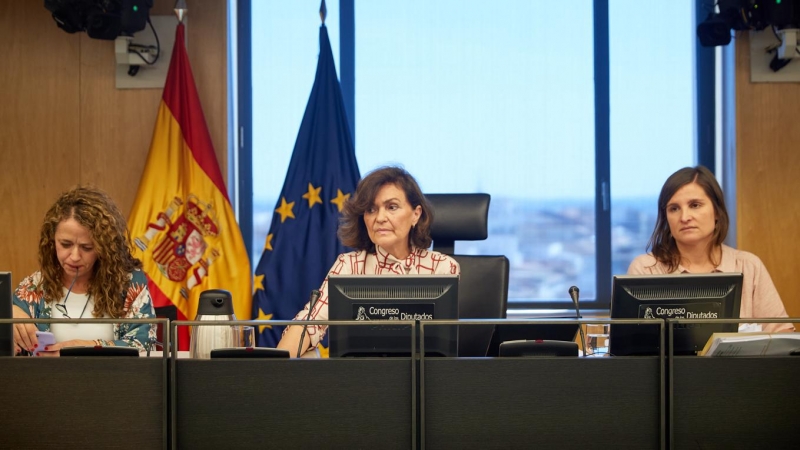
x,y
311,302
573,293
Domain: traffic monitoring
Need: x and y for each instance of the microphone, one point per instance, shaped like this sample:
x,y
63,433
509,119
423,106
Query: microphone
x,y
573,293
311,301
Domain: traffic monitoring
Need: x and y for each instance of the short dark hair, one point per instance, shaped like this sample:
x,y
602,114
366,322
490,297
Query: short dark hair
x,y
352,229
662,244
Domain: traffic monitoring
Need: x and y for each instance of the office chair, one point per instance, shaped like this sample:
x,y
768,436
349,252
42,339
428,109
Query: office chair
x,y
164,312
483,286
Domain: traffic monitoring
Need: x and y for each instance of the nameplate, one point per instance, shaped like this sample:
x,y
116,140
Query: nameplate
x,y
383,311
709,310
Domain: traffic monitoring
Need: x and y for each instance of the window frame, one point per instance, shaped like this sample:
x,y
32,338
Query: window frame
x,y
704,118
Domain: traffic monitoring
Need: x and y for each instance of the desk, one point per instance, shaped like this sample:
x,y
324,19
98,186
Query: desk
x,y
735,402
302,403
560,403
83,402
584,403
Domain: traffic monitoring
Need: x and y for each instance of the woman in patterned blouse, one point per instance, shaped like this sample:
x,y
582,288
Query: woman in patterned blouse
x,y
388,222
86,270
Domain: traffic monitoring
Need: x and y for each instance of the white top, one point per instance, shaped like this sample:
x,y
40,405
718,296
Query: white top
x,y
75,308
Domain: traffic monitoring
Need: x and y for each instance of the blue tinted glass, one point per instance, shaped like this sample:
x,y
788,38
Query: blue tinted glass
x,y
652,114
494,97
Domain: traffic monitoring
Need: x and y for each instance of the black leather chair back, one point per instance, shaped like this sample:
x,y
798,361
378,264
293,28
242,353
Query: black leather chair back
x,y
483,286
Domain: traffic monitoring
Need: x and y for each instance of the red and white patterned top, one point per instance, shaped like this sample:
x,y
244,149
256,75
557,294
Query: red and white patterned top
x,y
380,262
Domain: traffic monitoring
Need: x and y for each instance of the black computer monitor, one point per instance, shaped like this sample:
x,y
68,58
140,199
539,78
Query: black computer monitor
x,y
675,296
383,298
6,330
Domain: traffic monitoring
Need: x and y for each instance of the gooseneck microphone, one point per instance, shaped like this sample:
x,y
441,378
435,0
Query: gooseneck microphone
x,y
573,293
311,301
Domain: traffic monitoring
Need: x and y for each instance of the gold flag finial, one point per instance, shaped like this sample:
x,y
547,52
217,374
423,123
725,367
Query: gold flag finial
x,y
323,11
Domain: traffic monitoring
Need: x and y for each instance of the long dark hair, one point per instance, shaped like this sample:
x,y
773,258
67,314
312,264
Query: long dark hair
x,y
352,229
662,244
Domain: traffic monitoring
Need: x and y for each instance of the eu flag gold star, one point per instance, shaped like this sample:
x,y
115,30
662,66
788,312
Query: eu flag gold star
x,y
340,199
262,316
285,210
324,352
268,243
258,283
313,195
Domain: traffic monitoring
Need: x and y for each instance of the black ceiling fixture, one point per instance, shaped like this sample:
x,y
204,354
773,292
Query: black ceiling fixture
x,y
100,19
746,15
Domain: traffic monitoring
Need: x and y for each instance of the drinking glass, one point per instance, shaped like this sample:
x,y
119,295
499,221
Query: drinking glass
x,y
248,337
597,339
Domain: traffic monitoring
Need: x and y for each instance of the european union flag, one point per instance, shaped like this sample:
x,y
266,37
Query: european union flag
x,y
302,245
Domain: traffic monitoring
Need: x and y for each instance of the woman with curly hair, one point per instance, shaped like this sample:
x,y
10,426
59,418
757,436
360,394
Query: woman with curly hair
x,y
388,223
86,270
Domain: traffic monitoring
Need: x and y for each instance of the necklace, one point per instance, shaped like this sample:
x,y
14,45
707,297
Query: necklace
x,y
88,297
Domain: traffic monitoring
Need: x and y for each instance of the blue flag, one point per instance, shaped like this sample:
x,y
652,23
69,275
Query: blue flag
x,y
302,245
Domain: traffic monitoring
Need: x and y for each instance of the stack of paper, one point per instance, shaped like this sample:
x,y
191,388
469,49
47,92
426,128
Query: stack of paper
x,y
752,344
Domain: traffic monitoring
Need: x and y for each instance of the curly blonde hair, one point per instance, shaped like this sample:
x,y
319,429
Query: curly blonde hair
x,y
93,209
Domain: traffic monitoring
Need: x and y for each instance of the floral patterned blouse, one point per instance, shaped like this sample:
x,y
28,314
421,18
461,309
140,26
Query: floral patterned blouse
x,y
138,305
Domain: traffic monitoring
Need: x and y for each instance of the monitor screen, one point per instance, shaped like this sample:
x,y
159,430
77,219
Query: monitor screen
x,y
6,331
382,298
676,296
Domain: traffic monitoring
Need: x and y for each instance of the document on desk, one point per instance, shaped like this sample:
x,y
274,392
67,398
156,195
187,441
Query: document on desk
x,y
752,344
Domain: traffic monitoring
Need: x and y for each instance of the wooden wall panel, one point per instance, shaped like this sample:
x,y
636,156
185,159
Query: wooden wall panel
x,y
768,175
39,126
116,125
63,122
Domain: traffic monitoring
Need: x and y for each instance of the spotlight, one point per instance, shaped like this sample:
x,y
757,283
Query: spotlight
x,y
733,15
100,19
716,29
70,15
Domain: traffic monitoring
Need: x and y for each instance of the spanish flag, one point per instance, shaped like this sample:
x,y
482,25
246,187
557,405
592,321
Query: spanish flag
x,y
182,223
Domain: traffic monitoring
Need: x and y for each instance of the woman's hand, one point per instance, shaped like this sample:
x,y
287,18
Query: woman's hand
x,y
55,349
24,333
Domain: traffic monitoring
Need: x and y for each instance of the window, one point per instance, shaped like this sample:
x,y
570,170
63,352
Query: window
x,y
652,118
473,96
478,98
